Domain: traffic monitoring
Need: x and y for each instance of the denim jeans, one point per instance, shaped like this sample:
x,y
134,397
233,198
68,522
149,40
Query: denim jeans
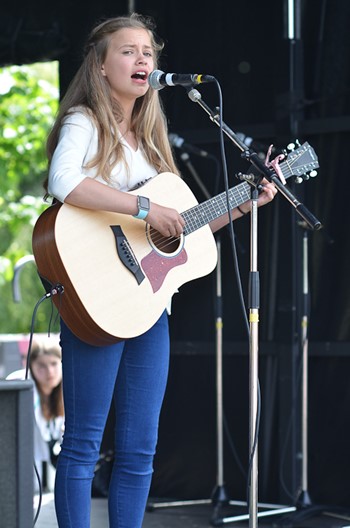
x,y
134,373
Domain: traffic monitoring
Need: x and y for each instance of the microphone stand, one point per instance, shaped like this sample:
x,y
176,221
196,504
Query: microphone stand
x,y
254,159
313,223
305,507
219,495
304,497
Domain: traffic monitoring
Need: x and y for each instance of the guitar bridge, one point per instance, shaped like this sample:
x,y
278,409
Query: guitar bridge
x,y
126,254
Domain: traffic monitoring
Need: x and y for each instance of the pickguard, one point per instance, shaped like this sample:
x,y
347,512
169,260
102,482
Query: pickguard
x,y
156,266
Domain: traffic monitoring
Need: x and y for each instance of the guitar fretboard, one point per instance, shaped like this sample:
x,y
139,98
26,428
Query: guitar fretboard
x,y
202,214
297,162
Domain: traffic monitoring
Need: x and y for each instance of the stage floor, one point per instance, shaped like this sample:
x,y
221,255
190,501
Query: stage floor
x,y
199,516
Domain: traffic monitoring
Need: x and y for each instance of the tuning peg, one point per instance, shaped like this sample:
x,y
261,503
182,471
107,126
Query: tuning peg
x,y
313,174
291,146
300,179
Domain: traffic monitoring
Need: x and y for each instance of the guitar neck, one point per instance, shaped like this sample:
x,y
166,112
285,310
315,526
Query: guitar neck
x,y
203,213
298,162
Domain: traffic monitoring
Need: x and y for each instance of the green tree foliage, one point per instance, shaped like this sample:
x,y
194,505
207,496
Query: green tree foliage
x,y
28,104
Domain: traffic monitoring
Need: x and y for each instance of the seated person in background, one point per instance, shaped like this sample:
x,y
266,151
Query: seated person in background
x,y
46,372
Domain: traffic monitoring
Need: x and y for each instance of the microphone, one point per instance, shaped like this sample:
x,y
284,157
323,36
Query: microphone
x,y
179,142
247,140
250,142
158,79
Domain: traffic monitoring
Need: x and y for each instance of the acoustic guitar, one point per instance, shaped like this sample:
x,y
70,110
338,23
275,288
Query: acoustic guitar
x,y
118,274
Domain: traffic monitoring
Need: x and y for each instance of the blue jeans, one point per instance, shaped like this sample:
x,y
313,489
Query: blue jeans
x,y
134,373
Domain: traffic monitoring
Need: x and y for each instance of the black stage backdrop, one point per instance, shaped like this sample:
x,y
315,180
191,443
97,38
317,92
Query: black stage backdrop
x,y
275,91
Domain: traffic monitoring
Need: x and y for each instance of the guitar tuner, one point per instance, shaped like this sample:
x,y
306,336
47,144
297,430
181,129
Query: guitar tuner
x,y
306,176
292,146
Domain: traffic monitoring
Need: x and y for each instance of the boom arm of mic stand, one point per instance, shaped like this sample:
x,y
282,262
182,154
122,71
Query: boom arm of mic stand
x,y
253,157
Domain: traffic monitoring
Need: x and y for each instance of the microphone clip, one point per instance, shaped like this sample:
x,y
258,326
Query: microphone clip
x,y
253,179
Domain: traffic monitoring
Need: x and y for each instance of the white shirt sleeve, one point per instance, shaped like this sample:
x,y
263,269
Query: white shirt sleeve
x,y
77,145
77,141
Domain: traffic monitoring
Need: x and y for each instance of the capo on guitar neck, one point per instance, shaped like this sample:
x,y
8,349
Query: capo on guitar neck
x,y
275,164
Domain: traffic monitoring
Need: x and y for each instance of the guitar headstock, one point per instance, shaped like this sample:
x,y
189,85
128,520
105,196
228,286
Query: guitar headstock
x,y
301,162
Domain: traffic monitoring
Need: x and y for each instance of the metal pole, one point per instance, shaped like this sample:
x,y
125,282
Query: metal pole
x,y
219,399
304,498
253,359
305,366
131,6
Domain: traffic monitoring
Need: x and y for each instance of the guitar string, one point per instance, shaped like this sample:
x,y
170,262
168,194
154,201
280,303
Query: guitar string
x,y
208,210
195,220
289,163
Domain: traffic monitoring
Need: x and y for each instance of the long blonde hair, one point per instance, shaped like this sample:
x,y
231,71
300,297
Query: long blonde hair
x,y
90,90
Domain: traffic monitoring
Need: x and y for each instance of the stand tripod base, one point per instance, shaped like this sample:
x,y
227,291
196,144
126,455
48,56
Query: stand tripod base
x,y
304,499
220,499
307,512
271,509
175,504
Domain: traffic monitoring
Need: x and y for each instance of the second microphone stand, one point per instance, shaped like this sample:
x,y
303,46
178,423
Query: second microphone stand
x,y
219,495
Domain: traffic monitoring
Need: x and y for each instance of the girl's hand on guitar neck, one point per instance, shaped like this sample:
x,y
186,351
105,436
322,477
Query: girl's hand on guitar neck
x,y
267,194
170,223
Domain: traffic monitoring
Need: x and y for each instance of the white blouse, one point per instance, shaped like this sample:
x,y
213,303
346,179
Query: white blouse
x,y
77,145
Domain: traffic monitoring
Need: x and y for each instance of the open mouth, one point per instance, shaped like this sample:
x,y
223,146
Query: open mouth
x,y
140,75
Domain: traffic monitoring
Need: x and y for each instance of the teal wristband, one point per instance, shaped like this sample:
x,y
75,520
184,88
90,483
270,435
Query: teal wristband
x,y
144,205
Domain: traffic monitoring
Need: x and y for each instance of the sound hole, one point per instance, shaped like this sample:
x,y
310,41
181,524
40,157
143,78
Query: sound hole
x,y
164,245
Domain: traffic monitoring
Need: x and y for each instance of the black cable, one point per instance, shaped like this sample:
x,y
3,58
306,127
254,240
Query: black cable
x,y
36,307
46,296
230,225
186,160
233,448
238,276
255,443
57,289
40,495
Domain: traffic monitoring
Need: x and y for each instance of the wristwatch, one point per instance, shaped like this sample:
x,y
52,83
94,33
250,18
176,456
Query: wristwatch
x,y
144,205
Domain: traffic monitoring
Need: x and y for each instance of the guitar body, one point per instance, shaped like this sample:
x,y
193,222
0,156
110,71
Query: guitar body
x,y
117,282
